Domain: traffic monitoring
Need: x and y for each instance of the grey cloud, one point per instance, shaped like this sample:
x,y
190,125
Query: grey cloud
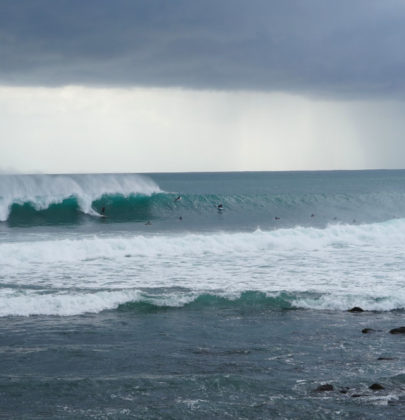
x,y
347,47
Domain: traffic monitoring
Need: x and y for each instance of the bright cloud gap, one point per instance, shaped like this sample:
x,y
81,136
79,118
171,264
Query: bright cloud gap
x,y
82,129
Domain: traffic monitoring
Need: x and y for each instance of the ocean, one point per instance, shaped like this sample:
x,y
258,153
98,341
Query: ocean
x,y
138,296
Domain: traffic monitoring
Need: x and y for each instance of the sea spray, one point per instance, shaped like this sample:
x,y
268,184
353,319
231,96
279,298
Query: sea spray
x,y
41,191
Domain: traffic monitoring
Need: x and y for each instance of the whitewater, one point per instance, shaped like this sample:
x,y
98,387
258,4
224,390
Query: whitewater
x,y
128,283
341,266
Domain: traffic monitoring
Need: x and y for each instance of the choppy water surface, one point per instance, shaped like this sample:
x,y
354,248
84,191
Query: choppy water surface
x,y
119,300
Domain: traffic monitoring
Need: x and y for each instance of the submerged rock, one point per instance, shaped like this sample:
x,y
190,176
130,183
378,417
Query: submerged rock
x,y
356,309
376,387
325,387
400,330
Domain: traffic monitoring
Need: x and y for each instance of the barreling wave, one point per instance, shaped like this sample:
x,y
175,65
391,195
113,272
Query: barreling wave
x,y
36,199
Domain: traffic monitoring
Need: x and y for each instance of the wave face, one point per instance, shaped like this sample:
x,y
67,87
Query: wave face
x,y
249,200
31,199
334,268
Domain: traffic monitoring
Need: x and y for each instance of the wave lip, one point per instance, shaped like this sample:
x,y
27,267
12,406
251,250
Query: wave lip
x,y
42,191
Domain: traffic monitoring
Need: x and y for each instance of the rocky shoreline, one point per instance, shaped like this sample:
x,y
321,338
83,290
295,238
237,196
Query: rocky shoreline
x,y
375,387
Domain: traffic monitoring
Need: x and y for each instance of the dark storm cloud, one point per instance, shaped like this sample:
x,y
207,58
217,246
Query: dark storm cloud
x,y
348,47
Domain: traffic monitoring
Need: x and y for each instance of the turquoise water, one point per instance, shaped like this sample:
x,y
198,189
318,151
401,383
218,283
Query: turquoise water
x,y
249,199
119,301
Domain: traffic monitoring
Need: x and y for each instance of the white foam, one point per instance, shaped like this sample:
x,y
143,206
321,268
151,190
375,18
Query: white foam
x,y
43,190
334,268
26,303
335,237
62,304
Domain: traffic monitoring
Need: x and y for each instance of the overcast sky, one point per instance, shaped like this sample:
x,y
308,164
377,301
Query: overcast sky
x,y
145,86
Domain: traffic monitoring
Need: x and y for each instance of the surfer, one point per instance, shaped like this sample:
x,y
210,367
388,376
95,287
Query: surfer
x,y
103,212
276,218
180,218
220,207
178,198
148,223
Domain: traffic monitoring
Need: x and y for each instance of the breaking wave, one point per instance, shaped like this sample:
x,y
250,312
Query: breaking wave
x,y
334,268
389,234
141,301
65,199
30,198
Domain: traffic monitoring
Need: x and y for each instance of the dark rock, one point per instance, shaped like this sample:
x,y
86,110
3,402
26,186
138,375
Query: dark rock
x,y
358,395
356,309
376,387
385,358
367,330
400,330
323,388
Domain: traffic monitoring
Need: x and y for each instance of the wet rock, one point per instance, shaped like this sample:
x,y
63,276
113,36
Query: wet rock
x,y
400,330
367,330
325,387
376,387
356,309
